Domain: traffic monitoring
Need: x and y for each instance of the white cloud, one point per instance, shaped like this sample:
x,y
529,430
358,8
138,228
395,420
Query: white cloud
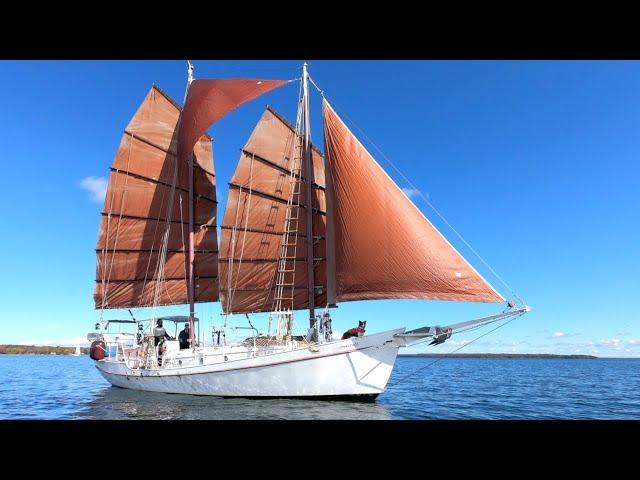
x,y
557,335
96,186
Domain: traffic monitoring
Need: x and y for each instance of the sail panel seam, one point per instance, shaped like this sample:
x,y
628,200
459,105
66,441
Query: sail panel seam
x,y
159,182
235,186
280,168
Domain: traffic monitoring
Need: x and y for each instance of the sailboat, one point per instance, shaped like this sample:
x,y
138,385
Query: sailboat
x,y
303,228
77,353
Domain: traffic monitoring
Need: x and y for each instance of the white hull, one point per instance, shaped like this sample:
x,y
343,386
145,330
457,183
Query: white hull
x,y
357,366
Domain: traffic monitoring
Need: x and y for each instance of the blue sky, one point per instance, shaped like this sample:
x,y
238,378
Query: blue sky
x,y
536,163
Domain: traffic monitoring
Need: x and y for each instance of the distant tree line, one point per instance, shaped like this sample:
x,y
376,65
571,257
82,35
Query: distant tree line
x,y
38,350
495,355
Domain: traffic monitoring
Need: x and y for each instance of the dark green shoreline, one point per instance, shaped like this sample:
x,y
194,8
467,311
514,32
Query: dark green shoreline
x,y
38,350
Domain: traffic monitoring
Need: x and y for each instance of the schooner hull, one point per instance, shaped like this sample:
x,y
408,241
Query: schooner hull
x,y
354,367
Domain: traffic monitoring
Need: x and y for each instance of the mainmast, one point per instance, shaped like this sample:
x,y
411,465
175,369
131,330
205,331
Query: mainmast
x,y
190,283
308,172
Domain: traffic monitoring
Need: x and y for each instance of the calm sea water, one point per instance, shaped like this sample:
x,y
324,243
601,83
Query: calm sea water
x,y
66,387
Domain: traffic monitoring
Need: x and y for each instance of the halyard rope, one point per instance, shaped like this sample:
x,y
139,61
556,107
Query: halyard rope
x,y
115,243
184,249
244,236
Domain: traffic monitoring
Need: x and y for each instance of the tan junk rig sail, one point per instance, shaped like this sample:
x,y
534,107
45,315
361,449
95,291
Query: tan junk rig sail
x,y
139,206
254,223
142,253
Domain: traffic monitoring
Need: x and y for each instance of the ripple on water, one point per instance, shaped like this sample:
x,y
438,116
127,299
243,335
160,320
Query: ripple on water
x,y
61,387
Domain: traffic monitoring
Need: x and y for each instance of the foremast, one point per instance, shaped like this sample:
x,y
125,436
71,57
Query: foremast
x,y
301,175
308,174
191,257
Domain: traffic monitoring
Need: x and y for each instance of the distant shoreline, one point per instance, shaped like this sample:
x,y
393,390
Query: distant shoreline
x,y
39,350
58,350
495,355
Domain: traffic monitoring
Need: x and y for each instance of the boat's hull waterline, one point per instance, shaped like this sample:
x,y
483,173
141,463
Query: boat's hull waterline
x,y
356,367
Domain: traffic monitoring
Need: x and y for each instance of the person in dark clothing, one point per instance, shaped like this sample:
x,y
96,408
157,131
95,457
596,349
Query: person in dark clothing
x,y
184,337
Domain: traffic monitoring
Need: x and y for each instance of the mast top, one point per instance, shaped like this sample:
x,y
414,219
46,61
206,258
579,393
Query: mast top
x,y
189,80
190,71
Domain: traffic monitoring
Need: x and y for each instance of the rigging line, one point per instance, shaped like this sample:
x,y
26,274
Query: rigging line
x,y
102,265
161,277
321,92
232,240
115,244
184,249
105,253
246,225
158,274
426,200
297,187
105,250
290,144
159,271
166,290
155,232
153,243
453,351
294,185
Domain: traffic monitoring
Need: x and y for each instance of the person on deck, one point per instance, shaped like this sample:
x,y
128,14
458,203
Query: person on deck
x,y
160,335
184,337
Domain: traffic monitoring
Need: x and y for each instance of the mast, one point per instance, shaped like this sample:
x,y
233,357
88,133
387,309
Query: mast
x,y
309,200
190,283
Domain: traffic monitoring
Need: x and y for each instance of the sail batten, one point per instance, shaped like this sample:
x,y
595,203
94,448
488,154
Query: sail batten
x,y
261,193
385,248
159,182
281,168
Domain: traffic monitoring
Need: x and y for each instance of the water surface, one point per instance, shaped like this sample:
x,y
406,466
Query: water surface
x,y
67,387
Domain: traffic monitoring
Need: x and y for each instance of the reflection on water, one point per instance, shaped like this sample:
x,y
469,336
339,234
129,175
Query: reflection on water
x,y
119,403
